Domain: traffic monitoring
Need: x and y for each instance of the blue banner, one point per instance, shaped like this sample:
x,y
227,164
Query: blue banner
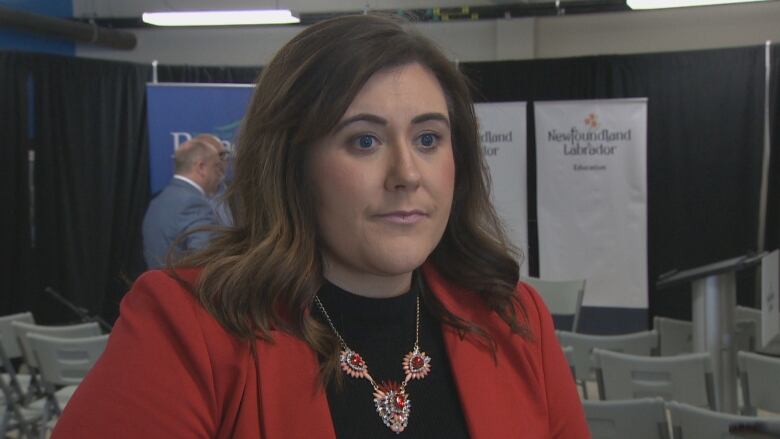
x,y
178,112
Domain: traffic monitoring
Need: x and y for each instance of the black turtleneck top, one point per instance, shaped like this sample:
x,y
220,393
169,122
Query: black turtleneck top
x,y
382,331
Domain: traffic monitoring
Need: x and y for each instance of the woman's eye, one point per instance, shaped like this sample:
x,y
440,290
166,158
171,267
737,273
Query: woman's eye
x,y
365,141
428,140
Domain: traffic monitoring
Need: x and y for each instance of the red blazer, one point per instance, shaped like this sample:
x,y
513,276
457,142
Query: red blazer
x,y
171,371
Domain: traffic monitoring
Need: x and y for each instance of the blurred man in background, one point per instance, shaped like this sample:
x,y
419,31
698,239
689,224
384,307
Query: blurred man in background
x,y
185,203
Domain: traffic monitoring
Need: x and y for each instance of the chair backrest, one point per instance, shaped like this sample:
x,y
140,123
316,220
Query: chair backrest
x,y
568,352
643,418
747,313
65,361
637,343
9,343
760,376
747,332
674,336
684,378
748,336
690,422
69,331
563,298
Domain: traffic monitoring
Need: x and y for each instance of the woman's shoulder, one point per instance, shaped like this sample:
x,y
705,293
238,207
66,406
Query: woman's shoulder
x,y
163,289
167,296
166,359
530,297
184,278
528,306
181,279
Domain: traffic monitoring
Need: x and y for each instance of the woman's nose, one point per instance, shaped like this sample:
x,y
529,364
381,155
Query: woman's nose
x,y
403,172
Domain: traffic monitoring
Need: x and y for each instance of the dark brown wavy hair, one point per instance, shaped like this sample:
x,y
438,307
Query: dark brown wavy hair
x,y
263,273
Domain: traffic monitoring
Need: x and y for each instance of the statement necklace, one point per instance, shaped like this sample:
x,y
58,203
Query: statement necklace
x,y
390,399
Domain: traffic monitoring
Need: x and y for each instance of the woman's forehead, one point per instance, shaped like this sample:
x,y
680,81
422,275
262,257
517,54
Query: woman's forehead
x,y
410,88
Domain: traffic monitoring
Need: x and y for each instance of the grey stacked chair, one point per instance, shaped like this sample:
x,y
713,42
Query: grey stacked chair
x,y
689,422
568,352
748,331
13,416
643,418
637,343
684,378
14,385
563,299
63,362
19,382
747,327
21,329
674,336
760,379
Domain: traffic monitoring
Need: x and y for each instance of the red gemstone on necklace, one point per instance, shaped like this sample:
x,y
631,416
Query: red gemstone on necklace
x,y
417,362
356,360
400,401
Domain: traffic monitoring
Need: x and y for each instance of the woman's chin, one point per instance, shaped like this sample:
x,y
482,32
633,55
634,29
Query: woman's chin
x,y
397,264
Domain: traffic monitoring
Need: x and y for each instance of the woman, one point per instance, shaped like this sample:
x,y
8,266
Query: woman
x,y
366,290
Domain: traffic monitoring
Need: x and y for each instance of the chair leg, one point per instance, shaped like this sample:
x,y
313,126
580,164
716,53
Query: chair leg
x,y
28,430
747,409
34,390
600,384
44,423
4,423
25,428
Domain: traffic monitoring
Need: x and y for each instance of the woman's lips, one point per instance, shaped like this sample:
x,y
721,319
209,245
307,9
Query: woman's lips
x,y
403,216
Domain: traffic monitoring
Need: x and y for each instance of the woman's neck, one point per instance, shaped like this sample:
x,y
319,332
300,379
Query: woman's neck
x,y
368,284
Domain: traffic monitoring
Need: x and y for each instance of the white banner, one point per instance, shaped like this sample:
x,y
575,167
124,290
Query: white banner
x,y
592,197
502,130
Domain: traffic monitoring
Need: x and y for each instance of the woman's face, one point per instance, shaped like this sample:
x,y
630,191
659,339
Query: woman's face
x,y
383,182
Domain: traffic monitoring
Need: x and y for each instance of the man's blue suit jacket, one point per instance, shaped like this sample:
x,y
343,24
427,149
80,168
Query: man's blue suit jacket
x,y
178,208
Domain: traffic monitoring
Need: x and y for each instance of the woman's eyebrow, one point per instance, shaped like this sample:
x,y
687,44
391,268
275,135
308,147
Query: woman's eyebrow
x,y
373,118
431,117
362,117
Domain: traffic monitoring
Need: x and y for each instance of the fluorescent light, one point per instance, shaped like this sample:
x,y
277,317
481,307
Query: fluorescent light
x,y
221,18
661,4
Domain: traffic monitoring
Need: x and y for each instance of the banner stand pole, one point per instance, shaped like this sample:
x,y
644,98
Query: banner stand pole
x,y
764,191
714,299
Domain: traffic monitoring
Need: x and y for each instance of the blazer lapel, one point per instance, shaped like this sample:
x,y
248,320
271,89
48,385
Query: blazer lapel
x,y
292,401
490,409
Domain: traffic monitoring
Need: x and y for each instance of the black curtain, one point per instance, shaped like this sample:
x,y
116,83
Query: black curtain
x,y
91,176
773,200
15,254
224,75
705,113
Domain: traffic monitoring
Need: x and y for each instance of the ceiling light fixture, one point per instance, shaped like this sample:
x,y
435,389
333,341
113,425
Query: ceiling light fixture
x,y
661,4
221,18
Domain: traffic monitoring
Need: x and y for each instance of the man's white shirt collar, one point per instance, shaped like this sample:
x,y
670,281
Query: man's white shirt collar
x,y
195,185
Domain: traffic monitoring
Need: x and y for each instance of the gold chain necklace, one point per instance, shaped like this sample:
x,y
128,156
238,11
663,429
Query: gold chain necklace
x,y
390,399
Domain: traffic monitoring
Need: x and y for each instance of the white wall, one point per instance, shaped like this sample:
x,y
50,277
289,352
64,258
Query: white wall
x,y
486,40
212,46
658,31
134,8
